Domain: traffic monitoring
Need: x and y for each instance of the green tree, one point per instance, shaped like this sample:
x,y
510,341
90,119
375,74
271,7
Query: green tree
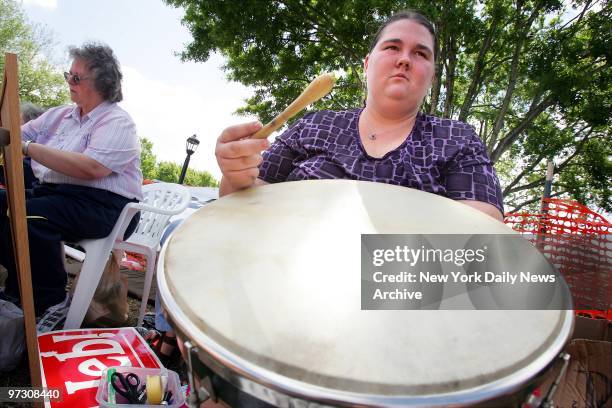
x,y
170,172
39,81
200,178
532,76
167,171
147,159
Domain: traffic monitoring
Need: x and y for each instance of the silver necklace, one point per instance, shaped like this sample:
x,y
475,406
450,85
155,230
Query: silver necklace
x,y
374,136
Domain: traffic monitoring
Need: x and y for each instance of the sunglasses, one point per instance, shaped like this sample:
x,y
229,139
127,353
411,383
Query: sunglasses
x,y
75,78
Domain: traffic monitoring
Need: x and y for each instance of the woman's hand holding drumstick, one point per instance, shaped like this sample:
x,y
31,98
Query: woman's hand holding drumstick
x,y
239,147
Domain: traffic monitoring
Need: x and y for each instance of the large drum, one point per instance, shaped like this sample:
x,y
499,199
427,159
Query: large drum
x,y
263,286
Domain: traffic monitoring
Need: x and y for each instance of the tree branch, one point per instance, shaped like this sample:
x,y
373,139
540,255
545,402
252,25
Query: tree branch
x,y
437,82
450,77
558,169
579,17
522,174
533,200
579,148
507,140
523,29
476,82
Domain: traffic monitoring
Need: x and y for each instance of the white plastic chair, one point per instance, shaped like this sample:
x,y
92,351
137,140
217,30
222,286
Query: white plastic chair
x,y
160,202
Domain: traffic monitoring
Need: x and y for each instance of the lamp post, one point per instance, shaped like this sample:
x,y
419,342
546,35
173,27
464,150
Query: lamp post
x,y
192,146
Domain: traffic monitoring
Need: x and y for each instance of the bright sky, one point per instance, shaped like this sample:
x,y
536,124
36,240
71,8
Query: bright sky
x,y
169,100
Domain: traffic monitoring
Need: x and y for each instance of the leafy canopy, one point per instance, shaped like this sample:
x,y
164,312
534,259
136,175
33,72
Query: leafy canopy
x,y
40,82
532,76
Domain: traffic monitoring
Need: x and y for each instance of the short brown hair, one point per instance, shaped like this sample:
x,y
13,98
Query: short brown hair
x,y
103,64
413,15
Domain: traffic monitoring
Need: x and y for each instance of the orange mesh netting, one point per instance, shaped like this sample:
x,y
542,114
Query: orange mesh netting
x,y
134,261
578,242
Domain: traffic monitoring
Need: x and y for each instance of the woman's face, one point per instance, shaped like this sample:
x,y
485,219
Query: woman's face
x,y
400,68
83,92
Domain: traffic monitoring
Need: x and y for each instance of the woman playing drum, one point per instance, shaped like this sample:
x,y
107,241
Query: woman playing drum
x,y
274,314
387,141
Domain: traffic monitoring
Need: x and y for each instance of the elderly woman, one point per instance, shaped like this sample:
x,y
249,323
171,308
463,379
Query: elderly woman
x,y
86,158
388,141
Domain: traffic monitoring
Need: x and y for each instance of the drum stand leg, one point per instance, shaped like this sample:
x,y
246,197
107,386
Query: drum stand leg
x,y
547,402
203,391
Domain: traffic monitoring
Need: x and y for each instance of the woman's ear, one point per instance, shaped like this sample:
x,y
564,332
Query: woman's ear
x,y
365,64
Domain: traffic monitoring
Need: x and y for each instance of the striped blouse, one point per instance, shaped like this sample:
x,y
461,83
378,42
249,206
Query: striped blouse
x,y
107,134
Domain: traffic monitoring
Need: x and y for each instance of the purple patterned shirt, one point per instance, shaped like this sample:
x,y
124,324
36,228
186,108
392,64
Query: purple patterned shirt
x,y
441,156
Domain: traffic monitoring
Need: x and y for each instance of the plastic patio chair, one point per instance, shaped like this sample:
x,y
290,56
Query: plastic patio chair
x,y
160,202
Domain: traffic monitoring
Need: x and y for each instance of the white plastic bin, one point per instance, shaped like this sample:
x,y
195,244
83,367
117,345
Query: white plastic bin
x,y
174,385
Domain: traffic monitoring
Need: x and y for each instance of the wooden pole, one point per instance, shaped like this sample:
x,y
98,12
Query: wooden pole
x,y
542,230
550,172
10,121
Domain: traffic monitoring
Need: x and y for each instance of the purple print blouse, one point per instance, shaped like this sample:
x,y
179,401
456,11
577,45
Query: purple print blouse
x,y
441,156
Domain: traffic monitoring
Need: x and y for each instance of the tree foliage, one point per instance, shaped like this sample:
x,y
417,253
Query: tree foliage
x,y
147,159
39,81
532,76
168,171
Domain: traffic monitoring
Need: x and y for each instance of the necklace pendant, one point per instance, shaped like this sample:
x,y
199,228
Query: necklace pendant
x,y
372,136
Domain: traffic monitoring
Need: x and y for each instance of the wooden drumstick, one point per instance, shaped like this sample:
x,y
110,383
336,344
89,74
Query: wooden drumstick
x,y
318,88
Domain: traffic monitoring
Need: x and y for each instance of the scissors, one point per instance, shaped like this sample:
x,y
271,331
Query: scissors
x,y
129,387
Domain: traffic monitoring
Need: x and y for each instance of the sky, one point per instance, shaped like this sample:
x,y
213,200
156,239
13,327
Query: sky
x,y
169,100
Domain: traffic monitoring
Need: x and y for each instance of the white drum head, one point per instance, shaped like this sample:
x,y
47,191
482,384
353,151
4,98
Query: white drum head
x,y
267,281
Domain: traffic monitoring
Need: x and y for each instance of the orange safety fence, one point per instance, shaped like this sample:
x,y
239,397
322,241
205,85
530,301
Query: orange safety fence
x,y
134,261
578,242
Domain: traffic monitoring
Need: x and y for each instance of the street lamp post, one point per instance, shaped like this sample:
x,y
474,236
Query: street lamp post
x,y
192,146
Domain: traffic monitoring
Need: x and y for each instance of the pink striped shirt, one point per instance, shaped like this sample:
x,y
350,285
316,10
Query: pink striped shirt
x,y
107,134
